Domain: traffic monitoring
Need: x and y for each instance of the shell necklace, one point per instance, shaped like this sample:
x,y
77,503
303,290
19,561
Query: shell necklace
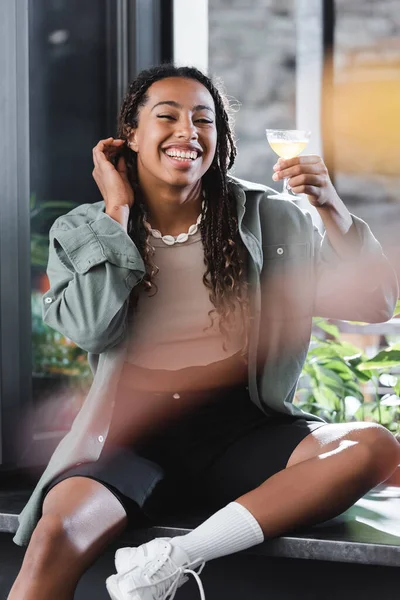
x,y
170,240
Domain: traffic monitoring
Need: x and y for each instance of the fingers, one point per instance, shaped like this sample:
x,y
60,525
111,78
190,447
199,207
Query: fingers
x,y
305,179
298,170
112,149
282,170
106,149
304,159
310,190
111,176
101,153
95,158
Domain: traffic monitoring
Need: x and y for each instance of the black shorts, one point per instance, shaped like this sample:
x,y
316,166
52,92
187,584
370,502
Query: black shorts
x,y
219,451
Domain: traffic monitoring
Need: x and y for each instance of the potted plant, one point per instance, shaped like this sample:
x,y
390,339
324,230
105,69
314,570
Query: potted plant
x,y
337,376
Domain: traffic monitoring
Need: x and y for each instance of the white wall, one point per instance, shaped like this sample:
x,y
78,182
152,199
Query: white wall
x,y
191,33
309,65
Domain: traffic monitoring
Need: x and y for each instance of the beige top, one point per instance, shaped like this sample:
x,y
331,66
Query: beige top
x,y
171,327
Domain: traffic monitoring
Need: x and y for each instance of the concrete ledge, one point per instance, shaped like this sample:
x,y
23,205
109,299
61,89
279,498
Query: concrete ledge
x,y
368,533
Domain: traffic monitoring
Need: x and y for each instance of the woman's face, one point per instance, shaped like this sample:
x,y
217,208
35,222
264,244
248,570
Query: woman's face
x,y
176,136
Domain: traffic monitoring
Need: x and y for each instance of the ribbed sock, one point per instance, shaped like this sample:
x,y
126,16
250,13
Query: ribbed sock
x,y
231,529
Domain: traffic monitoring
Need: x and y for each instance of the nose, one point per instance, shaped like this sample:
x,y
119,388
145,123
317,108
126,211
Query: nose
x,y
186,129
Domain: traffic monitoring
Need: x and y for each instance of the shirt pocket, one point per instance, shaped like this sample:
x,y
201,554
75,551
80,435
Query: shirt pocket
x,y
286,280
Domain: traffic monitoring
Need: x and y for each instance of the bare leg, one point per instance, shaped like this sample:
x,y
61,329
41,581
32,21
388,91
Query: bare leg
x,y
80,518
328,471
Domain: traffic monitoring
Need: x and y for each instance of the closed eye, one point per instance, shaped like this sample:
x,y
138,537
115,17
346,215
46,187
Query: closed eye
x,y
174,119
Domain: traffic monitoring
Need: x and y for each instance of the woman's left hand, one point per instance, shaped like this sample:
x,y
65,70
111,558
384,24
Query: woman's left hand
x,y
308,175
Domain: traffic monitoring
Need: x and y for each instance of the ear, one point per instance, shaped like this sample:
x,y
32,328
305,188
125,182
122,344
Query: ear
x,y
132,141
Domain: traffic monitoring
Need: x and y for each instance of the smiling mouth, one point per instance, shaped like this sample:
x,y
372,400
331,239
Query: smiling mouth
x,y
181,158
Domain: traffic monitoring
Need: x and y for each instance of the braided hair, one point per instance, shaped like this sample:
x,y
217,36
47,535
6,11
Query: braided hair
x,y
224,252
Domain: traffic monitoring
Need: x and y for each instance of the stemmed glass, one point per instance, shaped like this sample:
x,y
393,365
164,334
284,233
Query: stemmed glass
x,y
287,143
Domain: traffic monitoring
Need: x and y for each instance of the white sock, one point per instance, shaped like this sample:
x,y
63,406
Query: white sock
x,y
231,529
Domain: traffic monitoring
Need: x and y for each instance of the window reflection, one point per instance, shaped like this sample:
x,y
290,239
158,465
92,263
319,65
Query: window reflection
x,y
68,115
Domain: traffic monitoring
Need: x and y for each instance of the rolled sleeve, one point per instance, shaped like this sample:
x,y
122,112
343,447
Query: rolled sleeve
x,y
92,268
96,242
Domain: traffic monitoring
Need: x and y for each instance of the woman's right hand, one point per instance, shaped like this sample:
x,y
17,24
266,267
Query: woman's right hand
x,y
112,181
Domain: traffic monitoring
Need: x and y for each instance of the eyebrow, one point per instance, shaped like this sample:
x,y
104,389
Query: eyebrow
x,y
177,105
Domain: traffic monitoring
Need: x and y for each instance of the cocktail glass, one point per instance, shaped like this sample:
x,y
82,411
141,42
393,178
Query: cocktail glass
x,y
287,143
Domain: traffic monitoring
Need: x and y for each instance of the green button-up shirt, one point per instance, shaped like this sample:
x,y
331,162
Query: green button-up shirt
x,y
94,265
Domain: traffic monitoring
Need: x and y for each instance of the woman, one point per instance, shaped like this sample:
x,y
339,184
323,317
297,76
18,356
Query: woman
x,y
196,342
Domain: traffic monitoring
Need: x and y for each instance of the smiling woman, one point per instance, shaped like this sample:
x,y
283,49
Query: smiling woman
x,y
175,130
194,292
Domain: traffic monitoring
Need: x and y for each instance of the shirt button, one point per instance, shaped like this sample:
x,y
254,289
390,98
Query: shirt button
x,y
48,300
176,396
279,251
101,439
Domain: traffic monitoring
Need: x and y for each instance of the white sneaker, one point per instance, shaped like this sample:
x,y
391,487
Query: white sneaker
x,y
153,571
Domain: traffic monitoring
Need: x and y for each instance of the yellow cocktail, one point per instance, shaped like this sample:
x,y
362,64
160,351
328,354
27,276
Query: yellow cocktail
x,y
288,149
287,143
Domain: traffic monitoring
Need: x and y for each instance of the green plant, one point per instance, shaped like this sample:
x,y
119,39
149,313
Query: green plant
x,y
55,355
337,375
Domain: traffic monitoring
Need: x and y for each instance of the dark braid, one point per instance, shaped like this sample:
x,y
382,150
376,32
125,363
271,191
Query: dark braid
x,y
224,253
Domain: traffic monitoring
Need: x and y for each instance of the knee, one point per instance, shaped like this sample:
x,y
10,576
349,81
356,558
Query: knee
x,y
382,450
47,540
50,530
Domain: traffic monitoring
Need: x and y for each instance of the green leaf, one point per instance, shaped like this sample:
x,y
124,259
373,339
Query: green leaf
x,y
323,351
327,327
384,416
330,349
337,364
39,250
59,204
32,201
44,214
339,367
363,376
330,379
383,360
353,389
397,309
326,397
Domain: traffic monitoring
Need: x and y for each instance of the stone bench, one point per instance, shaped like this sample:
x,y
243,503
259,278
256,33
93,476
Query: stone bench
x,y
352,556
368,533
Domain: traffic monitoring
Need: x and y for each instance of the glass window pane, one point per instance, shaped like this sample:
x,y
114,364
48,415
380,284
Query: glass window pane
x,y
367,100
68,106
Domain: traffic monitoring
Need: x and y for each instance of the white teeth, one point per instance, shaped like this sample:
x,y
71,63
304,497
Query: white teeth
x,y
181,154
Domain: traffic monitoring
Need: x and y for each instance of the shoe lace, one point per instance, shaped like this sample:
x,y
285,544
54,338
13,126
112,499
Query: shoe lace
x,y
166,589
